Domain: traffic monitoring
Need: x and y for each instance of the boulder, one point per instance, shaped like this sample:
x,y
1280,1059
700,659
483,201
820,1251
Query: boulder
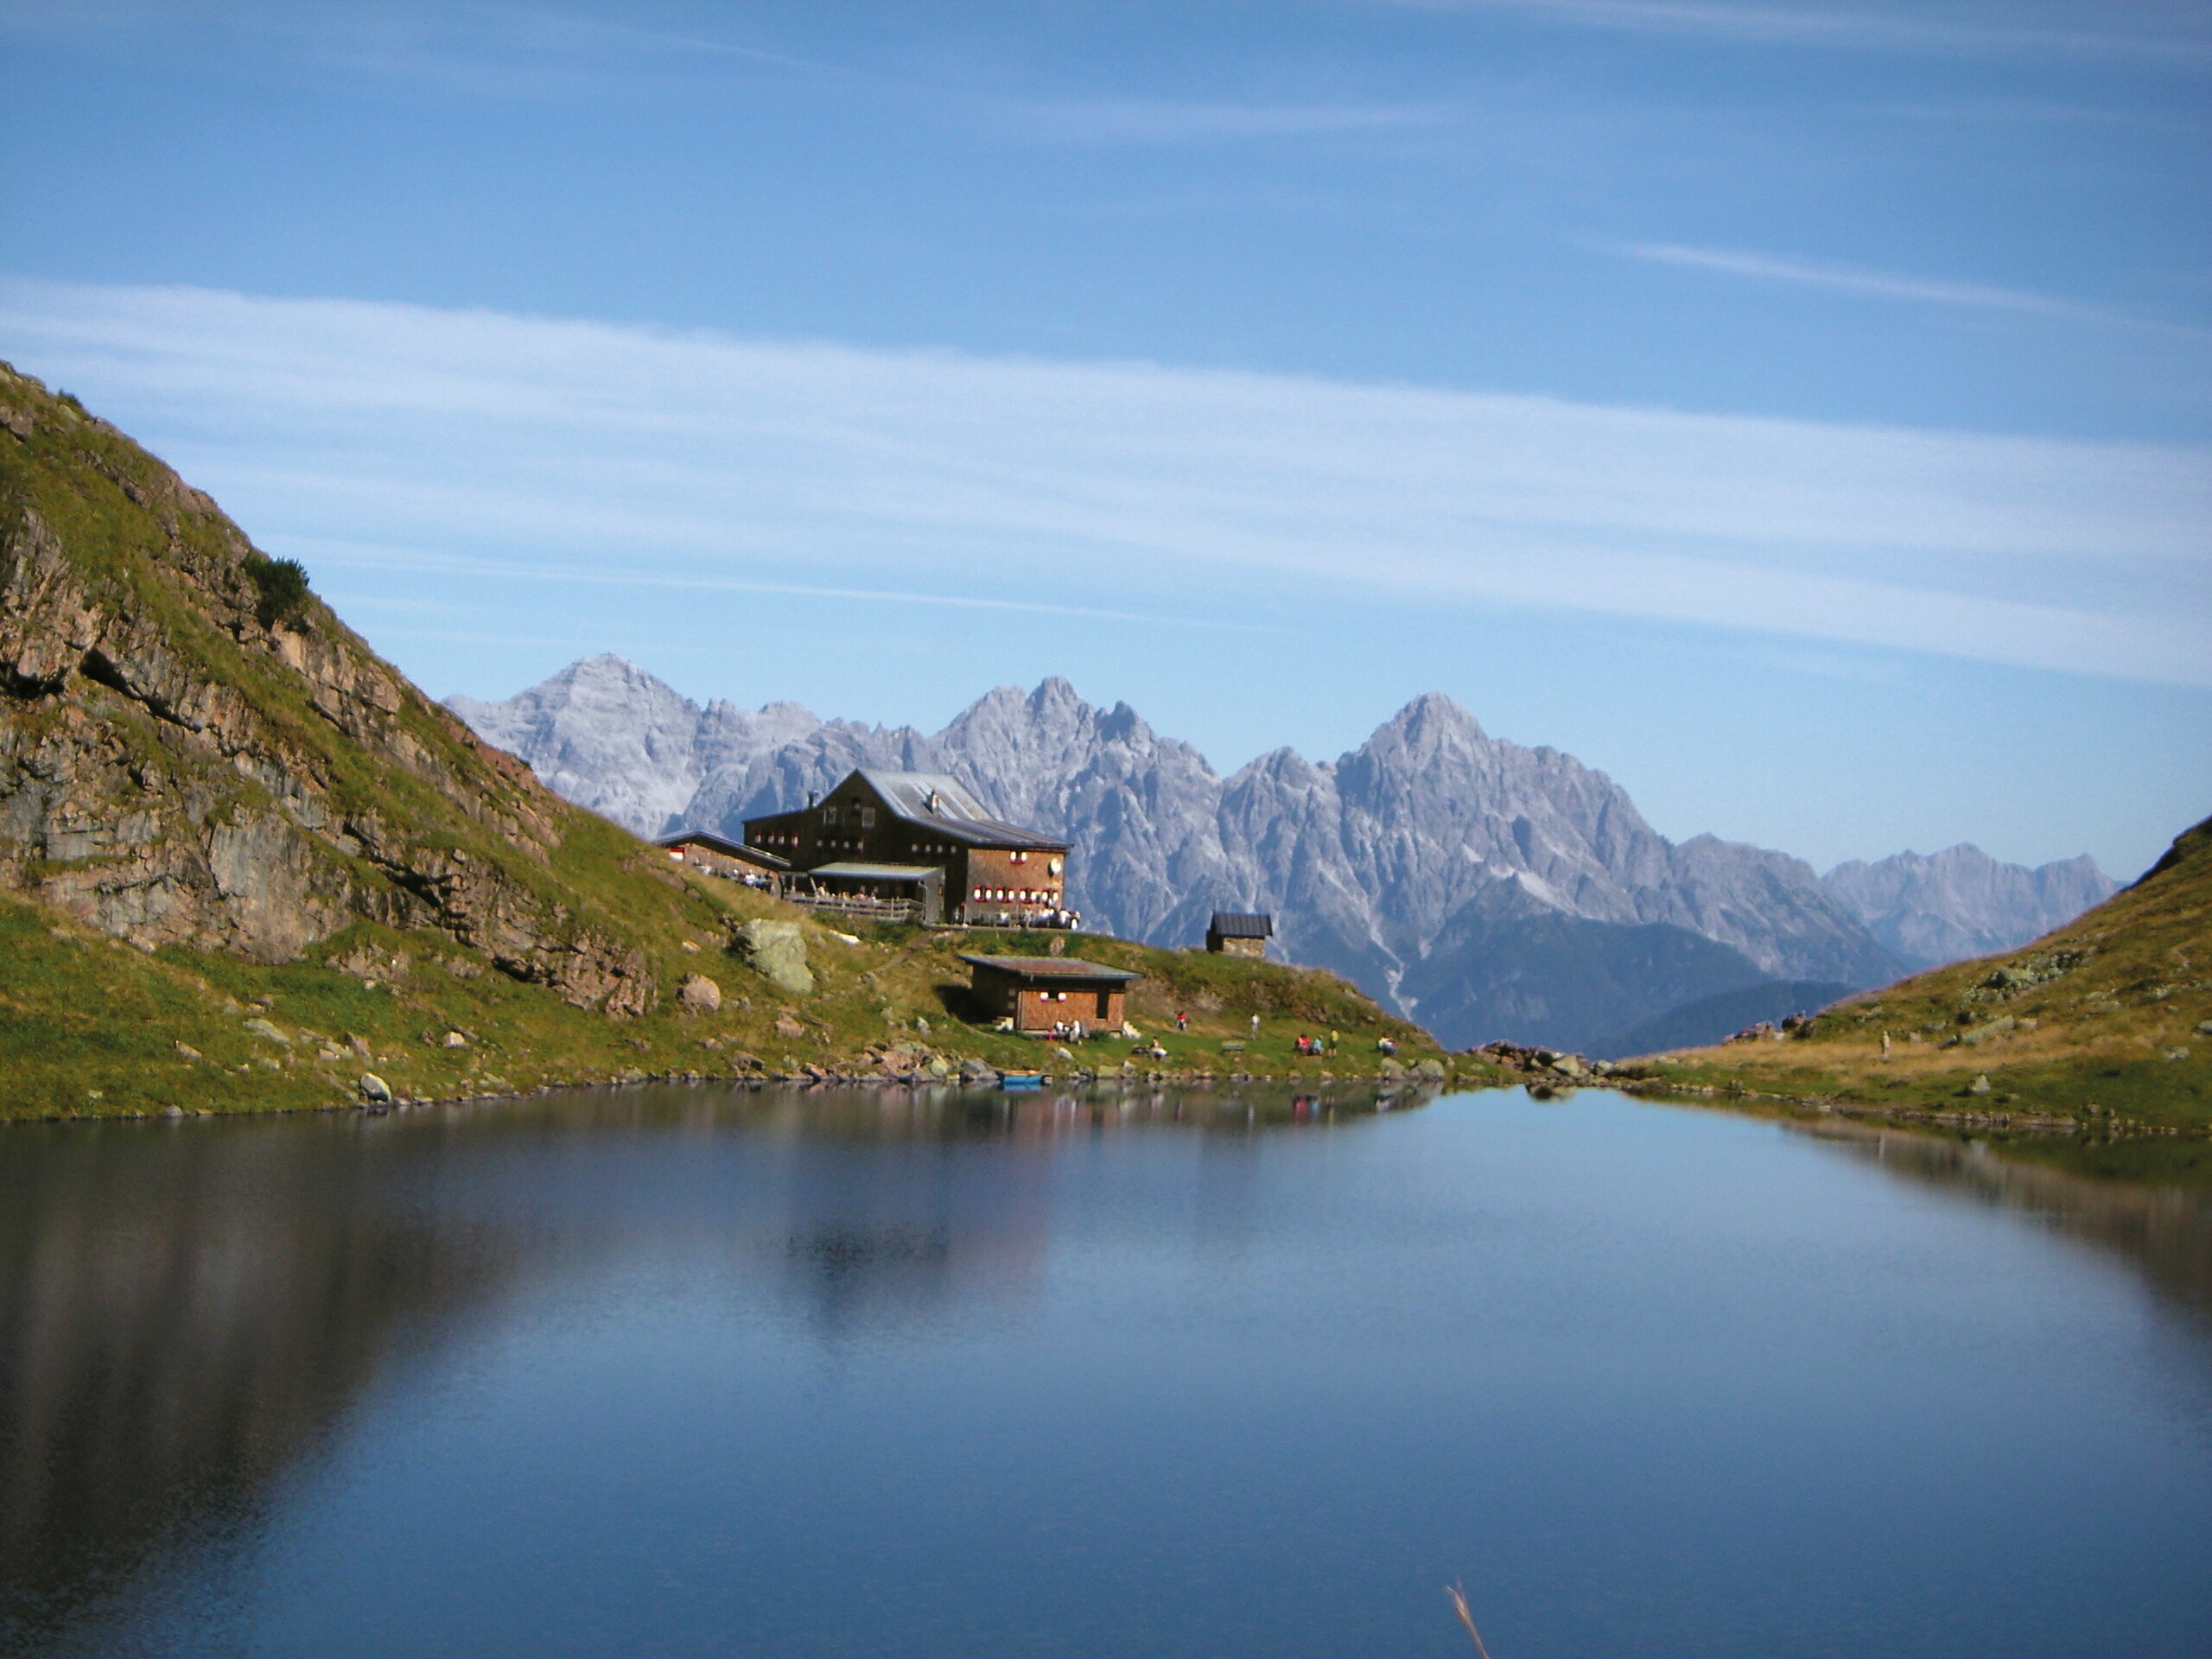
x,y
453,1039
374,1087
1430,1070
777,951
788,1026
1980,1085
1390,1072
972,1070
1569,1065
699,994
263,1029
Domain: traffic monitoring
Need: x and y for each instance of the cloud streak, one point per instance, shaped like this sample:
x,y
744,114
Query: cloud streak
x,y
594,454
1887,285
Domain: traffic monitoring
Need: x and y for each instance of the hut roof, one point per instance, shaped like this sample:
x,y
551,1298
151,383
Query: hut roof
x,y
939,802
1243,924
1052,968
722,844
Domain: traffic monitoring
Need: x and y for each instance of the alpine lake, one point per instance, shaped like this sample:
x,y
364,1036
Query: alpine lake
x,y
708,1370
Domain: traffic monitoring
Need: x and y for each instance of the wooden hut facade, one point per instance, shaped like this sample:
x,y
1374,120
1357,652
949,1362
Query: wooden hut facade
x,y
1041,994
994,873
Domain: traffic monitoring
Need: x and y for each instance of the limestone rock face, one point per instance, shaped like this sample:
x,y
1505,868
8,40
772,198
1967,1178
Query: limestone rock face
x,y
1961,902
174,771
777,951
699,993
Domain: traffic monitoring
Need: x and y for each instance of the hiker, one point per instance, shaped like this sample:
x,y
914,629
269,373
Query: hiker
x,y
1256,1027
1182,1020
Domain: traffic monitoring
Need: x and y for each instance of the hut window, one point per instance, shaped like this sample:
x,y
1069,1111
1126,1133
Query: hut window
x,y
868,817
829,815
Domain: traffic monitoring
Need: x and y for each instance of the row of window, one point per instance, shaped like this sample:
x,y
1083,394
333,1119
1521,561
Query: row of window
x,y
1015,895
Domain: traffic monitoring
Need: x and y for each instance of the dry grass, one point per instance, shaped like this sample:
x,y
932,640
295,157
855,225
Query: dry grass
x,y
1458,1594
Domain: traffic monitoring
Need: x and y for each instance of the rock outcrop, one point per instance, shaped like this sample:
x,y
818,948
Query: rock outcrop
x,y
179,766
777,951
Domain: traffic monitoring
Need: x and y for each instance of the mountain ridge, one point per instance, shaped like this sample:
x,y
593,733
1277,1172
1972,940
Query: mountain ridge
x,y
1366,859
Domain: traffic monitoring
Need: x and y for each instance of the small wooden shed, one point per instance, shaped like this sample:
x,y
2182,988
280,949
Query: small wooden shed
x,y
1038,992
1239,933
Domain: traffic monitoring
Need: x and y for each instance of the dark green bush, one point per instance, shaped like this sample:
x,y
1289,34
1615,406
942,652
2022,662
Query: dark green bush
x,y
283,585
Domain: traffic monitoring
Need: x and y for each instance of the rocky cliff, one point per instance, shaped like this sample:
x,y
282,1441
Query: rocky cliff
x,y
194,751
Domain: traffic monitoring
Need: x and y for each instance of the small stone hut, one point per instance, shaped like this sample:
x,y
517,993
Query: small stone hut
x,y
1239,933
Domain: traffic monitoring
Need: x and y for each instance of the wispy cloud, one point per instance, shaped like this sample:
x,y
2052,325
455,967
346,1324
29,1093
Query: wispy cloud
x,y
2074,31
1889,285
605,459
344,555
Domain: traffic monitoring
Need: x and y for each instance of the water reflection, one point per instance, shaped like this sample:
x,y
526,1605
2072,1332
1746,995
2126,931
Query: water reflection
x,y
186,1309
188,1312
2163,1233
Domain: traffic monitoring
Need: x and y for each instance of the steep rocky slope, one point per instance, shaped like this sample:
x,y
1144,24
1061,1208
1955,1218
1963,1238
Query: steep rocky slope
x,y
1388,865
183,762
242,860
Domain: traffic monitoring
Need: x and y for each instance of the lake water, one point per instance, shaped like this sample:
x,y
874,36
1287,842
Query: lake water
x,y
689,1371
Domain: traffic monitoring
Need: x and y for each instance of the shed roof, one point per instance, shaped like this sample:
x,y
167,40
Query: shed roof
x,y
856,871
1052,968
722,844
1243,924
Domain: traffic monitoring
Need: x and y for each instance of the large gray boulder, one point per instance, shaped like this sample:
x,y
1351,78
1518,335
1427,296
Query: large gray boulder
x,y
777,951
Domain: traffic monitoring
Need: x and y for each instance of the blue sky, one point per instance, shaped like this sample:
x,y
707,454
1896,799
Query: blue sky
x,y
1803,413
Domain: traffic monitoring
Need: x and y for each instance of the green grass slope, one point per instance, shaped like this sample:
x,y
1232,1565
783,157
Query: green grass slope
x,y
2105,1025
243,861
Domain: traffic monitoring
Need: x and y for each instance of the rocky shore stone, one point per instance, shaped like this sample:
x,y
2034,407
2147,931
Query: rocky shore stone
x,y
374,1087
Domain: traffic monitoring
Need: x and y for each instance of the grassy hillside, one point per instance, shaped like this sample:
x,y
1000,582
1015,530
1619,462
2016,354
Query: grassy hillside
x,y
243,861
2103,1026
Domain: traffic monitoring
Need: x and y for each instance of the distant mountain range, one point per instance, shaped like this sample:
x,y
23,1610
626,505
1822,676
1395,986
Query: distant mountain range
x,y
1488,889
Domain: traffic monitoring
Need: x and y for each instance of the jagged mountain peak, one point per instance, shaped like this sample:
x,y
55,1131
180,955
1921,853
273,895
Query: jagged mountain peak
x,y
1366,861
1430,723
1933,907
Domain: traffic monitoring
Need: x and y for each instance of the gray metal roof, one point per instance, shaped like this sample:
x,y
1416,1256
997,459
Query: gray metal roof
x,y
1243,924
1051,968
940,802
723,845
858,872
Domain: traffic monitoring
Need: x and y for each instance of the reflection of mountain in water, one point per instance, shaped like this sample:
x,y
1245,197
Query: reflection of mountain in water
x,y
187,1311
184,1312
2165,1233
